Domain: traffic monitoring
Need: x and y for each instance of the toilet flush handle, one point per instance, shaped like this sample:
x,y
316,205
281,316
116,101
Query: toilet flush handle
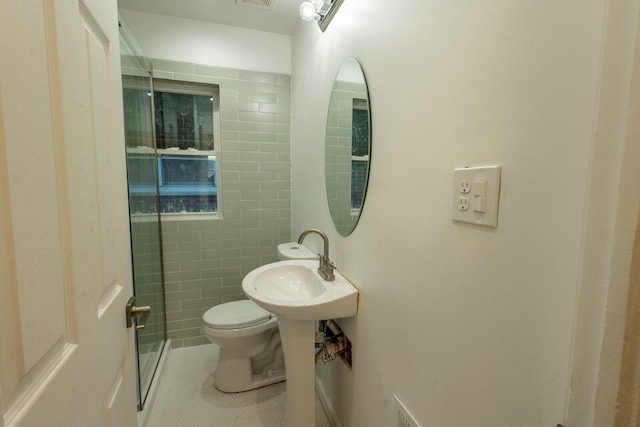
x,y
133,311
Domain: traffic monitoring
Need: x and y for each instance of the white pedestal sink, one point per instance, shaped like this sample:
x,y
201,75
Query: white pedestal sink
x,y
295,292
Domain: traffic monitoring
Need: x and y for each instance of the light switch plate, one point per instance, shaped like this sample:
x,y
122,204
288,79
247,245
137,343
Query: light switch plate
x,y
490,174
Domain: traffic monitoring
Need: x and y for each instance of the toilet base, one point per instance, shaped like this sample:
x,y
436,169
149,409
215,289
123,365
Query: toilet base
x,y
236,373
258,381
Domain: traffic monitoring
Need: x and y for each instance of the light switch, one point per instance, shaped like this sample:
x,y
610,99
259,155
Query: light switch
x,y
480,196
480,204
482,186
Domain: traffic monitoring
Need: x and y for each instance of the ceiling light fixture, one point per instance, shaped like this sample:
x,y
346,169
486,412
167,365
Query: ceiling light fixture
x,y
321,11
308,12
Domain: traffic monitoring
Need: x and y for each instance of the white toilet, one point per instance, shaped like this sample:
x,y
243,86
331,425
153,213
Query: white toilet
x,y
250,348
248,337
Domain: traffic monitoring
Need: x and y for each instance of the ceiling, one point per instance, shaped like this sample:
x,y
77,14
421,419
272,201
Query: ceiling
x,y
282,19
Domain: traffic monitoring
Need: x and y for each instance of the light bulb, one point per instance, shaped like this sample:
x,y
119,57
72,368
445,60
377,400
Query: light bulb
x,y
308,11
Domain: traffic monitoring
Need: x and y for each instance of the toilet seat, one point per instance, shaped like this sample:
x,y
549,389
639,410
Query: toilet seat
x,y
235,315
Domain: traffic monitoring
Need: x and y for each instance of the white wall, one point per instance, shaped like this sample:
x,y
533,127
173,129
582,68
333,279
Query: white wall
x,y
469,326
206,43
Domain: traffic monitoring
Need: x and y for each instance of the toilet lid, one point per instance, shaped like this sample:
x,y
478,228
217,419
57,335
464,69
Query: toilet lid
x,y
235,315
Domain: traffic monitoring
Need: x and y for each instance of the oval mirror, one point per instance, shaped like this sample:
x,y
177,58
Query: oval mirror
x,y
348,146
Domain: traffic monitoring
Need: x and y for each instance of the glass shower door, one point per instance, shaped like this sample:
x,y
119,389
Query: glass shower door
x,y
144,216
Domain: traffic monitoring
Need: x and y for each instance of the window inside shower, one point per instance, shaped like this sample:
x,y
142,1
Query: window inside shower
x,y
186,120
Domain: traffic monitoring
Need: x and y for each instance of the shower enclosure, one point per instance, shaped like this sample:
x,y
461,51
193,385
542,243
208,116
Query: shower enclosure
x,y
144,212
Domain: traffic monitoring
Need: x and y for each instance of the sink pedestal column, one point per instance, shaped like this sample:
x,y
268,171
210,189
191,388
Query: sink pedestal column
x,y
298,344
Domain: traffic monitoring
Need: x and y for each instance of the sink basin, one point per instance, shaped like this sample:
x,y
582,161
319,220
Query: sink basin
x,y
294,289
295,292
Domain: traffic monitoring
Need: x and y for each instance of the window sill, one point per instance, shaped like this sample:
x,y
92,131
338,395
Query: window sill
x,y
172,151
186,216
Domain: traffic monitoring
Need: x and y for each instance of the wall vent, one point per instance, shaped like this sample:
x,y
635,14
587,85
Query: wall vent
x,y
405,419
258,4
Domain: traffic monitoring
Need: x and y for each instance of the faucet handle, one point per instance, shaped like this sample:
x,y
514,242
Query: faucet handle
x,y
326,261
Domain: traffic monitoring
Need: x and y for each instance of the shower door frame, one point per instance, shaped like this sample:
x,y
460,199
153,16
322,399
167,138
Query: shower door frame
x,y
142,396
143,387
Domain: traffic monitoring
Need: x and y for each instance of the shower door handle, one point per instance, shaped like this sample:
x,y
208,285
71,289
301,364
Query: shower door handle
x,y
133,311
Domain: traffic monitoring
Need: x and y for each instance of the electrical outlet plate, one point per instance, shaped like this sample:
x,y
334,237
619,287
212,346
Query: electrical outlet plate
x,y
466,185
404,417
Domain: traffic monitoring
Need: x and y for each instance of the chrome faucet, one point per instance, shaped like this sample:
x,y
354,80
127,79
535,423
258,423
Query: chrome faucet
x,y
326,267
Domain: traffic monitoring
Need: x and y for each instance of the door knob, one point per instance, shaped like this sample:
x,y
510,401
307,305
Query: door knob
x,y
132,311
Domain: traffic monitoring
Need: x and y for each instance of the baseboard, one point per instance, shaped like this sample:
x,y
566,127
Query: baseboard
x,y
327,405
143,416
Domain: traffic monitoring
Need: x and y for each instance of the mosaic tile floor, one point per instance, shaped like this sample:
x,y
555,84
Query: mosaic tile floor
x,y
186,396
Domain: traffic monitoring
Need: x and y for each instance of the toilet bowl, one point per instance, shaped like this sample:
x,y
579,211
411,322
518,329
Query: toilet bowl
x,y
250,347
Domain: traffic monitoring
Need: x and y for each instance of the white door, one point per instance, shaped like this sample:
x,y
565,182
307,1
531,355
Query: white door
x,y
66,356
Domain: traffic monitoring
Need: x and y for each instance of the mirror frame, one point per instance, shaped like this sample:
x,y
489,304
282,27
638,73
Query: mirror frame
x,y
340,228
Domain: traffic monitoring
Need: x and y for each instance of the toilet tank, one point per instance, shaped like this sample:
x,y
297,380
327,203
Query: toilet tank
x,y
293,250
